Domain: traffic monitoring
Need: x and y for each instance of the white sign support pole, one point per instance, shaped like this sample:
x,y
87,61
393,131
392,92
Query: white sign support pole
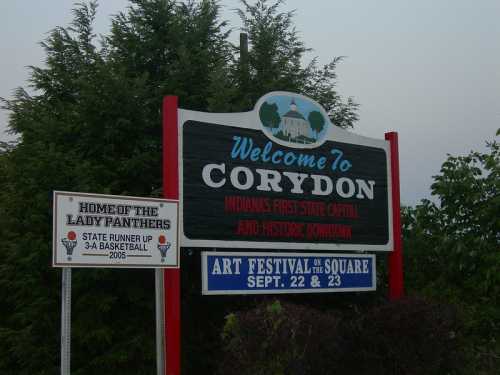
x,y
160,318
66,321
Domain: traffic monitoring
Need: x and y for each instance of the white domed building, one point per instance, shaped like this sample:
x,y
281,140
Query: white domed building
x,y
293,124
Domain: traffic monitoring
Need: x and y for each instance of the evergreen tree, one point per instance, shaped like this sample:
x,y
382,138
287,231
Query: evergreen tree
x,y
93,124
275,63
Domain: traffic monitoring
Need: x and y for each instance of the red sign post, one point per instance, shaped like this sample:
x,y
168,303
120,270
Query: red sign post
x,y
396,288
172,275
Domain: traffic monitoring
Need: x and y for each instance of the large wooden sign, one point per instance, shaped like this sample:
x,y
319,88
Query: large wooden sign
x,y
282,177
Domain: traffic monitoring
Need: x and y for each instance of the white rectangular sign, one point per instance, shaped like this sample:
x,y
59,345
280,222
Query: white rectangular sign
x,y
92,230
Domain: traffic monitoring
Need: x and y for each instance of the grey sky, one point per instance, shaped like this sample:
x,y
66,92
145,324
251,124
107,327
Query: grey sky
x,y
428,69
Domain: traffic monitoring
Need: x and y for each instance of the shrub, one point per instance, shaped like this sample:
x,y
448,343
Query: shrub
x,y
410,336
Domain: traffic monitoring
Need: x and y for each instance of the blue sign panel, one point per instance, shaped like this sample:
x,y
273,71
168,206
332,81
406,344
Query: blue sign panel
x,y
271,273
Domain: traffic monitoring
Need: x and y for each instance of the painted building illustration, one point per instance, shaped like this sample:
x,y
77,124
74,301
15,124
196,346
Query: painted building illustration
x,y
294,124
292,119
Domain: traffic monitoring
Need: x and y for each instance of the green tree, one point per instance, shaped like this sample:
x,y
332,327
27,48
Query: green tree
x,y
452,244
269,115
93,125
275,63
317,121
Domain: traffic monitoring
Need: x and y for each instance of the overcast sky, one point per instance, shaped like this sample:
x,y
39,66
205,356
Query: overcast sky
x,y
428,69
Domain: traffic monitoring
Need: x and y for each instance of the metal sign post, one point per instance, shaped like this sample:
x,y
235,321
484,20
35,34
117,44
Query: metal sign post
x,y
160,316
66,321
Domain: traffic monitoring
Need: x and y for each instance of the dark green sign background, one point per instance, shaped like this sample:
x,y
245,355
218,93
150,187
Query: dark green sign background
x,y
208,216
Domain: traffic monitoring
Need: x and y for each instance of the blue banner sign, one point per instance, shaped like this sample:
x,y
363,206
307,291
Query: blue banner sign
x,y
272,273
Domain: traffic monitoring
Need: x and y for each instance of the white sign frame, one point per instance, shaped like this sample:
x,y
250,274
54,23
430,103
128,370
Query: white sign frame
x,y
248,120
151,256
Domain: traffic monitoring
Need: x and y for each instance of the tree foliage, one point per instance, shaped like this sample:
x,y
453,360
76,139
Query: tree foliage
x,y
92,124
275,63
452,245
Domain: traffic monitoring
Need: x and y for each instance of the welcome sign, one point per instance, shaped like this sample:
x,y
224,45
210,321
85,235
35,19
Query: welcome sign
x,y
282,176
